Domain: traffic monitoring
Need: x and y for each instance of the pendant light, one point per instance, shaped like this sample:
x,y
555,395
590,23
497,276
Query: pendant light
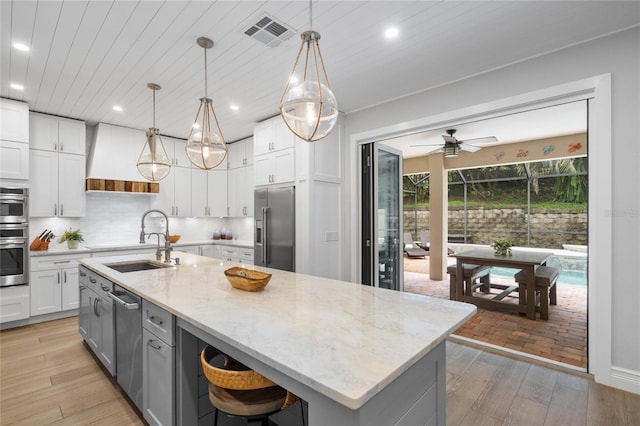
x,y
205,145
153,161
308,106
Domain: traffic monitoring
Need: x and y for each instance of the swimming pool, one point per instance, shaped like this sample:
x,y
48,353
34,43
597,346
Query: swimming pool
x,y
567,276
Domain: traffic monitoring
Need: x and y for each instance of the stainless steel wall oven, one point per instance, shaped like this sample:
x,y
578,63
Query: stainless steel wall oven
x,y
14,237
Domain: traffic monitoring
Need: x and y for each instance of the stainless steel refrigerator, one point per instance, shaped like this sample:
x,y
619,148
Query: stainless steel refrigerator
x,y
274,232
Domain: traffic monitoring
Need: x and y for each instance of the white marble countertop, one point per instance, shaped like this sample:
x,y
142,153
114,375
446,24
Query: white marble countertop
x,y
61,249
345,340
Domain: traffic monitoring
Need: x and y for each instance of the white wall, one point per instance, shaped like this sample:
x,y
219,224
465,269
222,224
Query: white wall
x,y
618,55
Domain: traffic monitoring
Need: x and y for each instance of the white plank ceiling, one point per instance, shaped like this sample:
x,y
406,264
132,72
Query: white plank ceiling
x,y
87,56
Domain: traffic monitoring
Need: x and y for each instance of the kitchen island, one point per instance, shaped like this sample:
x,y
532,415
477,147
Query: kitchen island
x,y
358,355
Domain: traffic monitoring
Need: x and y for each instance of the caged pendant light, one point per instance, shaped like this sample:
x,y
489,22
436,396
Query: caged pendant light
x,y
205,145
153,161
308,106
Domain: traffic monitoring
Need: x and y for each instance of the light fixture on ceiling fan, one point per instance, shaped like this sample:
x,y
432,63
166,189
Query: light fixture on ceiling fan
x,y
205,146
453,146
309,108
153,161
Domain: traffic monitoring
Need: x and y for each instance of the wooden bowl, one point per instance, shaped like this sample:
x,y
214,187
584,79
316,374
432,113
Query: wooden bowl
x,y
246,279
174,238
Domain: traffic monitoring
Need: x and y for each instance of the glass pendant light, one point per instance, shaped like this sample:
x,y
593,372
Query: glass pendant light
x,y
308,106
205,145
153,161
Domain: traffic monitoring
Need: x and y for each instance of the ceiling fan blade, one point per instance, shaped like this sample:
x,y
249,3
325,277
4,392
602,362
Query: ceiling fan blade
x,y
426,144
470,148
488,139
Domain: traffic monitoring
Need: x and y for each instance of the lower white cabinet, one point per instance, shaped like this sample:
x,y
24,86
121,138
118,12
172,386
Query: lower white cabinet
x,y
158,365
14,303
237,254
53,284
210,250
96,321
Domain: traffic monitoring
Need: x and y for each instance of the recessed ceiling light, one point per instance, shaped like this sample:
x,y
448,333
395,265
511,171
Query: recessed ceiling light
x,y
21,47
117,108
17,86
234,107
391,32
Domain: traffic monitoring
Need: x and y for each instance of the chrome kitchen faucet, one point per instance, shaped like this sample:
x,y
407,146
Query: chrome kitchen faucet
x,y
167,243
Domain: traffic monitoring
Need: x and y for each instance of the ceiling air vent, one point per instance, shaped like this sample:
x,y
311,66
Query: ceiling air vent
x,y
269,31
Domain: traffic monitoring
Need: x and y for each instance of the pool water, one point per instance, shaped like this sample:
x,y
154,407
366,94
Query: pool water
x,y
566,276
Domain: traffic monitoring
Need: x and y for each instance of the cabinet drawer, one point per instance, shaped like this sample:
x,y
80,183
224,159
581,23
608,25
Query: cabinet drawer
x,y
39,263
158,321
246,255
229,253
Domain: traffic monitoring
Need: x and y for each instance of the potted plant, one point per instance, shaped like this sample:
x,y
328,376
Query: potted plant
x,y
502,247
72,238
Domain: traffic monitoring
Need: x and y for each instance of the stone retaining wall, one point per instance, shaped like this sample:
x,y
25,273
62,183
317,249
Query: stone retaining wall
x,y
549,228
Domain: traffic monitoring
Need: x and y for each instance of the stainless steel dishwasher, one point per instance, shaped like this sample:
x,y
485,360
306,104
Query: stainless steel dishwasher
x,y
129,342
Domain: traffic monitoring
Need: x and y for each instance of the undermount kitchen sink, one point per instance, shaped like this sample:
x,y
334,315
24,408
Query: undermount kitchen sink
x,y
138,265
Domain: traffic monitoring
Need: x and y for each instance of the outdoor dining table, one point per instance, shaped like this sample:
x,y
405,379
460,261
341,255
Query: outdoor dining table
x,y
525,260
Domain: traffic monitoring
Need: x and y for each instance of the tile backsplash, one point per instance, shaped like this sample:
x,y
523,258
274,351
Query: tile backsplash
x,y
114,218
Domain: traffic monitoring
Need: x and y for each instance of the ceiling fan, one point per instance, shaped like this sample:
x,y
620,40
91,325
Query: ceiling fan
x,y
452,146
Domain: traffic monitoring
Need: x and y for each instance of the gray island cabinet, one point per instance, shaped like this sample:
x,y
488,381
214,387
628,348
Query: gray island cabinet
x,y
358,355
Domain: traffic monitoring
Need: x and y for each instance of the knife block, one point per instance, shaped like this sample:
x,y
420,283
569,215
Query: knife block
x,y
38,245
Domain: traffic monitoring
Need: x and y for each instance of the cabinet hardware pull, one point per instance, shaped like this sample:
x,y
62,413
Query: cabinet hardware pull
x,y
61,147
57,262
58,277
82,287
65,276
93,280
83,274
105,288
155,320
150,343
98,300
61,209
55,210
55,146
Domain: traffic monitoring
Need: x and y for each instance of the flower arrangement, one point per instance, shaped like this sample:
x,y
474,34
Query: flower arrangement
x,y
502,247
71,237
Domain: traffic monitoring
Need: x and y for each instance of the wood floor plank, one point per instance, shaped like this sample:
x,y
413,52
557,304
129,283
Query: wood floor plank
x,y
525,411
632,404
538,384
113,412
31,419
568,407
605,406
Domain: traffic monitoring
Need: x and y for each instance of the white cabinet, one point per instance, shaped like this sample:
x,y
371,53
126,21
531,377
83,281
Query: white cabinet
x,y
237,254
176,151
208,192
272,135
189,249
240,154
174,197
274,168
210,250
57,134
274,157
57,184
14,121
54,284
14,303
96,321
240,188
14,160
158,365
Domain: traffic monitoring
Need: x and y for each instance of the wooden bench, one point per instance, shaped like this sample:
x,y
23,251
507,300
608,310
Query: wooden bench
x,y
546,279
471,274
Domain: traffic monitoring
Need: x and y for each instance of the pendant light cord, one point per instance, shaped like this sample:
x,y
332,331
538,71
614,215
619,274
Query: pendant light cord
x,y
154,108
311,15
205,72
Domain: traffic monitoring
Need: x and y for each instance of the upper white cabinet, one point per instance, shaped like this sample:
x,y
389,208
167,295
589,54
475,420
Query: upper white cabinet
x,y
274,156
272,135
217,192
240,192
176,151
174,197
240,154
57,134
14,160
57,184
14,121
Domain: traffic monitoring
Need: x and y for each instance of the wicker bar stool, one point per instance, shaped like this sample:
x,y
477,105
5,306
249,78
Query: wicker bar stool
x,y
236,390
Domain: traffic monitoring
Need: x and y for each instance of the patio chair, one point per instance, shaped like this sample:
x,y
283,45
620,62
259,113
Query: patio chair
x,y
424,240
410,249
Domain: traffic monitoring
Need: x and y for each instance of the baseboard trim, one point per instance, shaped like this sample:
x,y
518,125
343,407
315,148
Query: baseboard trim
x,y
38,319
625,379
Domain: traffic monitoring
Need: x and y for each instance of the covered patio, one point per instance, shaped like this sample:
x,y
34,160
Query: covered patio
x,y
563,338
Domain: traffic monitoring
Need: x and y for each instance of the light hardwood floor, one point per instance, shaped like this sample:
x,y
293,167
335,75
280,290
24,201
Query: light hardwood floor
x,y
48,376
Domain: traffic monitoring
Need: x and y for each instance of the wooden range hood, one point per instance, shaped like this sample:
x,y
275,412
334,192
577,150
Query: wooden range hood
x,y
111,185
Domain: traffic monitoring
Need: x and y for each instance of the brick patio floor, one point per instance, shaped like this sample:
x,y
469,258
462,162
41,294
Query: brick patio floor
x,y
562,338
